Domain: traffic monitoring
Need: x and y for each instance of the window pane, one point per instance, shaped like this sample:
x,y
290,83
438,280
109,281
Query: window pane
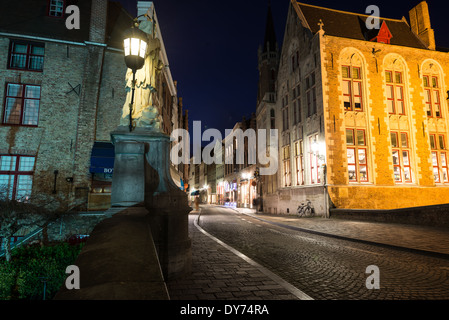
x,y
432,141
26,164
407,174
443,159
399,93
8,163
444,174
441,142
434,82
33,92
361,138
13,109
388,76
31,112
426,81
405,158
398,77
390,92
395,157
346,87
24,185
356,73
345,72
350,137
352,173
351,156
436,174
362,156
6,185
37,50
36,63
394,139
434,159
363,174
404,142
397,174
14,90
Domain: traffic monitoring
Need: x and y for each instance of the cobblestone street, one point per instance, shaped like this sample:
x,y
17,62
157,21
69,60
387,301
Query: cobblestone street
x,y
303,265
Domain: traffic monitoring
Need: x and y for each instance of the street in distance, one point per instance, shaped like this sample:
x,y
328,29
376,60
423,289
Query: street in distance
x,y
239,309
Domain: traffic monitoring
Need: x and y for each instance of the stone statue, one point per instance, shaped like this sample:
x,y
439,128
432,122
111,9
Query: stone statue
x,y
146,113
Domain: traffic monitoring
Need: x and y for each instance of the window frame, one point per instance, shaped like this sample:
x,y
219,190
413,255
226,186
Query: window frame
x,y
22,104
311,94
49,4
16,172
429,91
395,85
352,82
299,162
400,149
357,147
314,162
27,55
438,150
286,166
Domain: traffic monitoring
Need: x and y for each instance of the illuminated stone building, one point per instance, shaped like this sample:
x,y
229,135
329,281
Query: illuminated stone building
x,y
362,113
62,93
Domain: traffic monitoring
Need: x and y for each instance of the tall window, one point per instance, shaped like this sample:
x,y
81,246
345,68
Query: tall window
x,y
16,176
314,170
272,119
395,92
285,118
21,104
439,158
299,163
401,157
286,166
352,88
296,96
56,8
311,94
432,96
26,56
357,155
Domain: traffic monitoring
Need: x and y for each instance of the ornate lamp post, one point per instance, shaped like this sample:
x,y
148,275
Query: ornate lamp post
x,y
135,46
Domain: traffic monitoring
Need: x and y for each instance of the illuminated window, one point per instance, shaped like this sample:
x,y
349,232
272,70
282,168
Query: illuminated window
x,y
314,163
401,157
439,158
16,176
21,104
395,92
432,96
299,163
357,155
352,88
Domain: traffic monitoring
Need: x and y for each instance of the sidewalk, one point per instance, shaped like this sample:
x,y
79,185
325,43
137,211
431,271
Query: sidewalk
x,y
427,240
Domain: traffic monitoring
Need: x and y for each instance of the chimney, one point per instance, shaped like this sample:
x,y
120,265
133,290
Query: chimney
x,y
98,19
420,24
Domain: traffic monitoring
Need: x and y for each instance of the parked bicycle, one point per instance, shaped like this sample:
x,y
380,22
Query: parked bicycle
x,y
306,209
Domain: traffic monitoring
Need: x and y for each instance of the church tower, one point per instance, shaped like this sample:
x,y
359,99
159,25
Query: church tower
x,y
268,61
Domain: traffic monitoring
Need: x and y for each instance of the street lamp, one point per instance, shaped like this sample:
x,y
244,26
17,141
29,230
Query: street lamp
x,y
135,47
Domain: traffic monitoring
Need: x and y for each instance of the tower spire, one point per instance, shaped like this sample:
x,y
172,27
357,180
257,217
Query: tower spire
x,y
270,41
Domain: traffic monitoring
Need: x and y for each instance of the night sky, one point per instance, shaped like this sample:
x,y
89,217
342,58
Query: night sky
x,y
212,48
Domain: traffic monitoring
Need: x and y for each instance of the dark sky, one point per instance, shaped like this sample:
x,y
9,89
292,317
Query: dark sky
x,y
212,48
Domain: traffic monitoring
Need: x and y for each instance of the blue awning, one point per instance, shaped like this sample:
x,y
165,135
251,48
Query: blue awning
x,y
102,158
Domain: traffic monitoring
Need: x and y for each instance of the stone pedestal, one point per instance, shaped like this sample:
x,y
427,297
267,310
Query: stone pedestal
x,y
147,153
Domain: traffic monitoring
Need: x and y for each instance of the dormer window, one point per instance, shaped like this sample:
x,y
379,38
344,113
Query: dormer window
x,y
56,8
384,35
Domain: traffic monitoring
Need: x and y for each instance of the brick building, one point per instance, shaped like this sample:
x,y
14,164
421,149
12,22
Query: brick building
x,y
62,93
362,114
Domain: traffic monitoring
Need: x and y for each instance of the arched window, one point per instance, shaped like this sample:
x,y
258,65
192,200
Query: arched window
x,y
394,85
352,81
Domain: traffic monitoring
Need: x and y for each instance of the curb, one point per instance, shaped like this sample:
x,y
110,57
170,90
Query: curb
x,y
330,235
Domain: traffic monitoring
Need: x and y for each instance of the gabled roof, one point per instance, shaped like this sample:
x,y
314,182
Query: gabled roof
x,y
353,26
29,17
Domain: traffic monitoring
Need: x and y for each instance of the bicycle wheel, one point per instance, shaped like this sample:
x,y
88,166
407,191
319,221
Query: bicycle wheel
x,y
308,212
